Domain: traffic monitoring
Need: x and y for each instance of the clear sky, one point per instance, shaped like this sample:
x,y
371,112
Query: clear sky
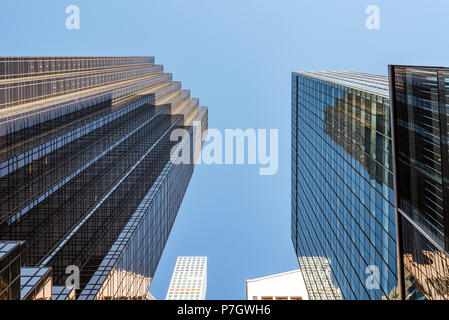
x,y
236,56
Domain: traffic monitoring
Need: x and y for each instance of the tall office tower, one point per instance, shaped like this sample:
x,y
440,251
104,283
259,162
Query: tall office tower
x,y
343,216
318,278
189,280
419,99
86,181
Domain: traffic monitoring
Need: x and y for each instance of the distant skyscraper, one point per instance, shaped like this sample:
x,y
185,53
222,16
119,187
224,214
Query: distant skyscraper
x,y
86,179
282,286
189,280
343,217
420,102
318,278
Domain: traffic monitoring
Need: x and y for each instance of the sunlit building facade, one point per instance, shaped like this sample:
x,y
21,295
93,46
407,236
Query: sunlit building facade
x,y
343,217
317,274
189,280
86,179
10,270
420,100
283,286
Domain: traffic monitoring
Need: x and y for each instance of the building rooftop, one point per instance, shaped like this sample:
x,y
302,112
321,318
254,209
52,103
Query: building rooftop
x,y
275,275
282,286
372,83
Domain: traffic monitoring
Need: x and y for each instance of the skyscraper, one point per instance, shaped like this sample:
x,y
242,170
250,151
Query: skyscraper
x,y
86,179
419,98
189,280
343,217
318,278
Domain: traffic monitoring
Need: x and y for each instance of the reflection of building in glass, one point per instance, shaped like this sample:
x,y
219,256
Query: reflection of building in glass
x,y
62,293
342,183
189,280
10,270
318,278
36,283
420,97
26,283
362,135
85,176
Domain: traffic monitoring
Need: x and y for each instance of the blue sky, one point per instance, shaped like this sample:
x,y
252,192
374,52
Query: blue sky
x,y
236,56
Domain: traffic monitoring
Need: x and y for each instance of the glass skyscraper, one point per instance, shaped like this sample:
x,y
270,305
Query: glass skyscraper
x,y
420,100
343,216
86,180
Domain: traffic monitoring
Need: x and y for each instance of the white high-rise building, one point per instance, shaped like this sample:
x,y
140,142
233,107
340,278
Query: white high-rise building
x,y
189,280
283,286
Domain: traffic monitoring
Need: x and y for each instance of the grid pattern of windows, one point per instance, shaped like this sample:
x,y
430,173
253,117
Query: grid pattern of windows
x,y
342,181
22,67
36,283
62,293
420,97
189,279
85,174
28,90
10,270
318,278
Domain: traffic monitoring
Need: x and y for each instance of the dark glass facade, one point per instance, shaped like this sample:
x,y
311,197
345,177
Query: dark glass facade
x,y
343,217
10,270
85,171
420,97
